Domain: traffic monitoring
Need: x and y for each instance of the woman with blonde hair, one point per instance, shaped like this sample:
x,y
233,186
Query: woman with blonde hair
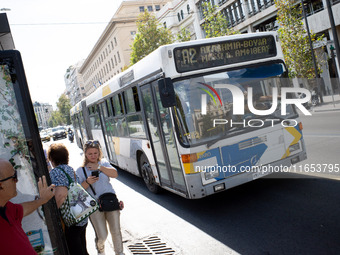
x,y
94,176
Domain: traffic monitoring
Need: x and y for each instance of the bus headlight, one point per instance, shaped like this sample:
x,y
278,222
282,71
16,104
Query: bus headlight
x,y
294,147
211,175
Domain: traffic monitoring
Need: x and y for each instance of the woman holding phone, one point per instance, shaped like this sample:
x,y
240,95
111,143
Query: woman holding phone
x,y
94,176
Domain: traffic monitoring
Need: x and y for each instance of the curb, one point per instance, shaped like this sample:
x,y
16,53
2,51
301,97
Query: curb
x,y
326,109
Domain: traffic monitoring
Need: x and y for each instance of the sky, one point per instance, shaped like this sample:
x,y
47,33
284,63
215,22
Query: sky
x,y
52,35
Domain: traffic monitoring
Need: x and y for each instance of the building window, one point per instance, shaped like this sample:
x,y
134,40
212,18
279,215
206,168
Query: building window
x,y
179,17
188,8
141,8
150,9
164,24
118,57
115,41
157,7
182,14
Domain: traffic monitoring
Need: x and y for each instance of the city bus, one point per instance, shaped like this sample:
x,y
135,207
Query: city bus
x,y
198,117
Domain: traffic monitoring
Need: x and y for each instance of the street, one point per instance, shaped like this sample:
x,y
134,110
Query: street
x,y
284,213
322,136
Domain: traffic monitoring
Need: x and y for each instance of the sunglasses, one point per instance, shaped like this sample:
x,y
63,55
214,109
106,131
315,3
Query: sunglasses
x,y
14,176
92,143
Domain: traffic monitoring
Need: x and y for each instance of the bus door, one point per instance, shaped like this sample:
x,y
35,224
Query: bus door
x,y
162,139
108,128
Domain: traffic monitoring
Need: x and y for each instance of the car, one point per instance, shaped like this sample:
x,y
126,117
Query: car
x,y
59,132
44,136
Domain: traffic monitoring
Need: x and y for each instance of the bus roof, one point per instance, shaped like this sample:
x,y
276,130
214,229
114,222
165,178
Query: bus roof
x,y
157,62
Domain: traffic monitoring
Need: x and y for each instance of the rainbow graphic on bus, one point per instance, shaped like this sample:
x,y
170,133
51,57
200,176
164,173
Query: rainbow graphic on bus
x,y
209,93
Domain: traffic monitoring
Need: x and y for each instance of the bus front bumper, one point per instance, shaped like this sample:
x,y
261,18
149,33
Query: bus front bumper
x,y
196,190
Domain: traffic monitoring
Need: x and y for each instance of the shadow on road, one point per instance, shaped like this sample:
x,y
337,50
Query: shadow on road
x,y
268,216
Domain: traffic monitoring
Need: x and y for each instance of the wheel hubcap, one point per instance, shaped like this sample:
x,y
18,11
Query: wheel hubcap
x,y
146,173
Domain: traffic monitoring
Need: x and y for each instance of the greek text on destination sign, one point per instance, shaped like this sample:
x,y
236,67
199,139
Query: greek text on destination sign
x,y
195,57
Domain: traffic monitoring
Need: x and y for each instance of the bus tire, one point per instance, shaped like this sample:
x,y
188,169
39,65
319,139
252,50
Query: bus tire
x,y
146,173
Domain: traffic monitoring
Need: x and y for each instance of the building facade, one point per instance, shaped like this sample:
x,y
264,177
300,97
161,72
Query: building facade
x,y
43,113
179,14
75,89
111,54
249,16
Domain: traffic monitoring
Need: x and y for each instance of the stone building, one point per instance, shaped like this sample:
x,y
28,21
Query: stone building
x,y
43,113
75,89
111,54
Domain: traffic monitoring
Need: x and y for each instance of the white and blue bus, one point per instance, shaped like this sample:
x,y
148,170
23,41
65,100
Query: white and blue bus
x,y
198,117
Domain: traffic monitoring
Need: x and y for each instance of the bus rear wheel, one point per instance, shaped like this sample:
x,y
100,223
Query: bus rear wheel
x,y
146,172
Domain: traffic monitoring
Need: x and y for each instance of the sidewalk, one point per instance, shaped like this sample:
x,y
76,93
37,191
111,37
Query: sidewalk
x,y
91,248
330,103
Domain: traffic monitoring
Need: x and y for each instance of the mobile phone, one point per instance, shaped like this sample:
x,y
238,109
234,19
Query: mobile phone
x,y
95,173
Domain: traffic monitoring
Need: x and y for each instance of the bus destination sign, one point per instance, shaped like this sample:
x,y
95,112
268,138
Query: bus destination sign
x,y
196,57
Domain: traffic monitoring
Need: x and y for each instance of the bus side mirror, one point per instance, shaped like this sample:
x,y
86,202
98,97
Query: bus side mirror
x,y
167,92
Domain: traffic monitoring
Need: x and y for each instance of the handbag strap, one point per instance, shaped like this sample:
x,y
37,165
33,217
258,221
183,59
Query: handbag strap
x,y
68,177
89,183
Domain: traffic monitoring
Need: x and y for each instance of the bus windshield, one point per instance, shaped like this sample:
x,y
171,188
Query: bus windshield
x,y
200,101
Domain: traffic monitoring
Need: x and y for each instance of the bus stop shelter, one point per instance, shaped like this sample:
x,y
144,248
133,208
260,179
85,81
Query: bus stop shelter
x,y
6,39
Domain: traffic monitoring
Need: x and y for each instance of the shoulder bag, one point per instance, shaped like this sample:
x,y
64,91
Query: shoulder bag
x,y
108,201
79,204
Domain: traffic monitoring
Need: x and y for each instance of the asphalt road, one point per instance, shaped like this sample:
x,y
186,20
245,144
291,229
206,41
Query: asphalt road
x,y
322,137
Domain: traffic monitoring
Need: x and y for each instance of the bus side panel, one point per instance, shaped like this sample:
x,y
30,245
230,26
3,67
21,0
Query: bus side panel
x,y
127,151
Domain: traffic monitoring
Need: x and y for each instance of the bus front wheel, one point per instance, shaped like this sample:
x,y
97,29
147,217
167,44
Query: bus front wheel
x,y
147,175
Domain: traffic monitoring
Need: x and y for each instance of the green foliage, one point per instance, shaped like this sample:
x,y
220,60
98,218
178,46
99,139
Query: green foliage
x,y
215,24
150,35
64,107
184,35
294,39
56,119
62,115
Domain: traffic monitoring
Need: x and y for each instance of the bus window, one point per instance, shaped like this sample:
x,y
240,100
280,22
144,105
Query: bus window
x,y
104,108
136,98
109,108
129,101
94,119
117,103
121,126
136,126
112,107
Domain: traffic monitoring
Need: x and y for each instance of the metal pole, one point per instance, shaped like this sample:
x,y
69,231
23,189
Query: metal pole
x,y
335,35
317,76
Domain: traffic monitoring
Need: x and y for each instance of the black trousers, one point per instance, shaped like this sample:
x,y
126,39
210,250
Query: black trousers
x,y
76,240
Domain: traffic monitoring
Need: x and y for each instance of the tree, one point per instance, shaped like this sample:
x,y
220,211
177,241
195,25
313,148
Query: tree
x,y
64,107
294,39
215,24
56,119
150,35
184,35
